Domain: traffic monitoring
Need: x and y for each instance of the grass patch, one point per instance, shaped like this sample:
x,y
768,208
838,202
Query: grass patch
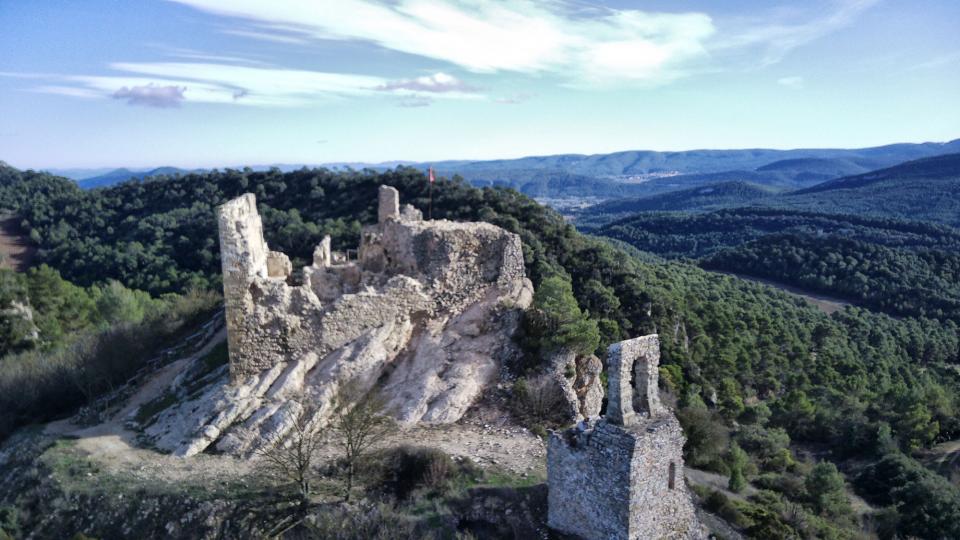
x,y
74,471
153,407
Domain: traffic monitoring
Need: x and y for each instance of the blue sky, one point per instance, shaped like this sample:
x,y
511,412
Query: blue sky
x,y
203,83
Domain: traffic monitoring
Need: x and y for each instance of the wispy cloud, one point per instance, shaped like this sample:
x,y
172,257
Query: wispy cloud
x,y
272,36
794,82
165,84
415,101
150,95
514,99
69,91
585,45
939,61
776,33
436,83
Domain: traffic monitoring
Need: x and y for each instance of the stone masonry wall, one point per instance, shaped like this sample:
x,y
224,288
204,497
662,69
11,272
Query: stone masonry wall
x,y
621,477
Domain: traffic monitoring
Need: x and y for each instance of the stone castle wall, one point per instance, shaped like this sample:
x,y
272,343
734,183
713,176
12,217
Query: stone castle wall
x,y
423,313
621,477
269,320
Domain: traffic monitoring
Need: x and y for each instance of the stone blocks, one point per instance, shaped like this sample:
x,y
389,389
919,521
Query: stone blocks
x,y
620,477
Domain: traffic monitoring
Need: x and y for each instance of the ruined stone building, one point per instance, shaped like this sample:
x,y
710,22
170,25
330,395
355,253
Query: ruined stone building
x,y
422,313
621,476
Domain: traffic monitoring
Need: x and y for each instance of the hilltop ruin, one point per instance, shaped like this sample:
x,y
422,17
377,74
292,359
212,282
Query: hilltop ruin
x,y
621,476
423,313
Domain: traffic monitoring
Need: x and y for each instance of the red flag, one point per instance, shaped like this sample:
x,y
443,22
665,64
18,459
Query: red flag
x,y
431,175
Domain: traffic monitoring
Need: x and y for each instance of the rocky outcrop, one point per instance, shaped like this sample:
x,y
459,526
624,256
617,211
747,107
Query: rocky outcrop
x,y
621,476
578,379
424,313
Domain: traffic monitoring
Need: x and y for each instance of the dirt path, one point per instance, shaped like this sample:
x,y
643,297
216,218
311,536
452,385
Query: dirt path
x,y
16,251
944,459
114,447
717,482
510,448
824,303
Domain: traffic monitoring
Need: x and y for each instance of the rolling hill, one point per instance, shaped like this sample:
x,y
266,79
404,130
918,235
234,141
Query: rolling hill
x,y
794,169
926,189
706,197
122,175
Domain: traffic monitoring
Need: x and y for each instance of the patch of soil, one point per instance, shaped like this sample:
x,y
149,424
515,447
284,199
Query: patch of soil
x,y
16,251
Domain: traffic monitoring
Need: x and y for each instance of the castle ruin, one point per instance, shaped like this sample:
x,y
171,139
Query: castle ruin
x,y
422,312
621,476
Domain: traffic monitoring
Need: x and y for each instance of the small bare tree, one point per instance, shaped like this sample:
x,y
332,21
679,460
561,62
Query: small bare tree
x,y
359,425
289,458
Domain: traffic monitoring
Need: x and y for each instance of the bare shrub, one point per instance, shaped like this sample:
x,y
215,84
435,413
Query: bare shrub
x,y
538,401
359,423
289,458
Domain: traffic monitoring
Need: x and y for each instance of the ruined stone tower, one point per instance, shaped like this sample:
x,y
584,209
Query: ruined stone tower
x,y
621,476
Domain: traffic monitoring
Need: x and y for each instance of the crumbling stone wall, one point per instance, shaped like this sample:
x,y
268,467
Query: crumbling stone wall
x,y
621,476
424,311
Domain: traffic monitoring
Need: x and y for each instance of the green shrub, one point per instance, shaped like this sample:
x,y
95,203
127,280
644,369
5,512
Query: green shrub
x,y
825,487
404,469
555,322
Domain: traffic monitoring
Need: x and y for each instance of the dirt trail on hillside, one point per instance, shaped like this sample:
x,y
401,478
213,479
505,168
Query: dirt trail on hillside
x,y
16,251
115,449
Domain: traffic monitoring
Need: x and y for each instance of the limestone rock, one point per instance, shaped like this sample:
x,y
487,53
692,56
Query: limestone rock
x,y
578,379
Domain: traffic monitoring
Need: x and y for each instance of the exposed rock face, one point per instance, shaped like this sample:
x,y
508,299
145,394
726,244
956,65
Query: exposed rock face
x,y
578,379
425,313
23,316
621,477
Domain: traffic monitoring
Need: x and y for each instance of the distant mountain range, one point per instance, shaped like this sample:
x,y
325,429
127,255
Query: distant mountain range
x,y
122,175
648,172
925,189
632,173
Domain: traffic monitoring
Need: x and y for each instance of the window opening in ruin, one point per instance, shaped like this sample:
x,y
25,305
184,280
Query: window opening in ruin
x,y
636,397
672,482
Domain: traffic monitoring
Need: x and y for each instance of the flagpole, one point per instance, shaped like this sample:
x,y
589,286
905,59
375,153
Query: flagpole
x,y
430,208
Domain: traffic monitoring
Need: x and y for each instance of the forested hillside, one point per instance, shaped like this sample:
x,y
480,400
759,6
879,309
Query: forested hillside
x,y
707,197
922,282
896,266
926,189
753,370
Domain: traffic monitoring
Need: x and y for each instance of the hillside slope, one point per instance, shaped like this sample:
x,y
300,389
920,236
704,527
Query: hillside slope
x,y
123,175
926,189
706,197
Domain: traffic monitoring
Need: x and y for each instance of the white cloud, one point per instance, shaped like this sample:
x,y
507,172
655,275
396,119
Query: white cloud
x,y
587,46
791,82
